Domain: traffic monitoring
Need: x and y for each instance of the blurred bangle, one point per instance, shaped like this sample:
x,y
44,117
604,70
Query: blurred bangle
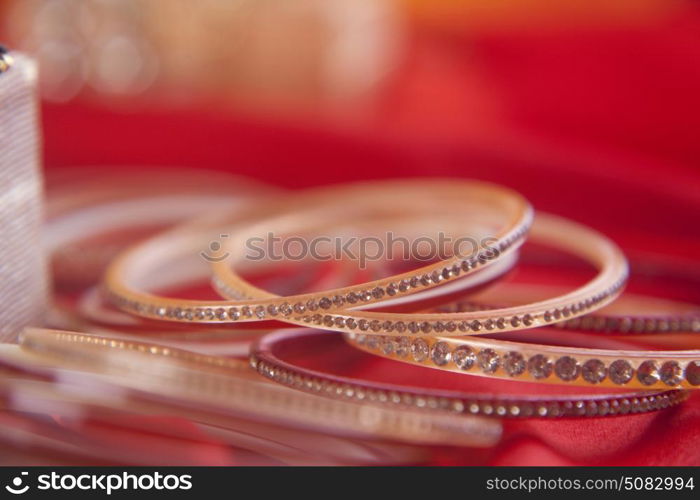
x,y
224,383
265,358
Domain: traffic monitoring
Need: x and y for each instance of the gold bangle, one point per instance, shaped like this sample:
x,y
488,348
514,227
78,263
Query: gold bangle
x,y
266,360
548,229
629,314
514,211
541,363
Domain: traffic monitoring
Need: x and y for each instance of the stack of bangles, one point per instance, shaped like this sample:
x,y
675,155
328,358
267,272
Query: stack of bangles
x,y
559,351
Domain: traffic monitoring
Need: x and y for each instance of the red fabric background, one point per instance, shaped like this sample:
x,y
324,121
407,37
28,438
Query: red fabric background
x,y
599,125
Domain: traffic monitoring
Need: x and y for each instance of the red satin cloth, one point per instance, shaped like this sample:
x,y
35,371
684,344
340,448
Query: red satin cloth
x,y
599,126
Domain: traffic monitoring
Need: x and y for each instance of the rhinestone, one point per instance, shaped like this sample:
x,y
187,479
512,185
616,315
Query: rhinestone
x,y
338,300
402,347
591,408
475,325
554,410
352,297
316,318
489,324
414,282
439,327
419,350
614,407
671,373
539,366
567,368
220,313
375,325
246,311
413,327
426,280
463,326
400,326
528,320
488,360
624,406
404,285
325,303
648,373
299,308
372,341
199,313
285,309
620,371
234,313
526,409
692,373
328,320
363,324
446,273
501,323
593,371
450,326
466,265
440,353
391,289
387,326
272,309
366,295
350,323
464,357
312,305
513,363
426,327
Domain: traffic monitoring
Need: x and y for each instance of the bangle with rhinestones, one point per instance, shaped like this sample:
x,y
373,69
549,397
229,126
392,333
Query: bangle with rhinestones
x,y
268,358
541,363
511,208
547,229
629,314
